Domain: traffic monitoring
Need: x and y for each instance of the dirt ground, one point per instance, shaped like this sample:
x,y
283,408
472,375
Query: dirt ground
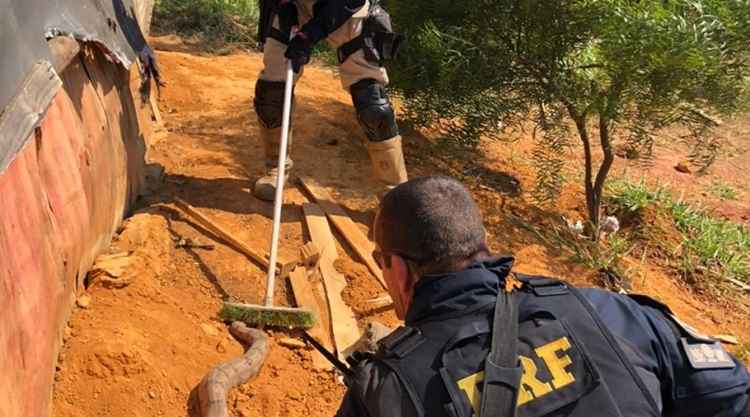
x,y
138,348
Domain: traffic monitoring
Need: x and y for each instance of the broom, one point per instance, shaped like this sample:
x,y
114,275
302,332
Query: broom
x,y
268,314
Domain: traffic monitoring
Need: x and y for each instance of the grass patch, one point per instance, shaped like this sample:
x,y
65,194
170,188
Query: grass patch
x,y
723,191
701,245
230,21
604,257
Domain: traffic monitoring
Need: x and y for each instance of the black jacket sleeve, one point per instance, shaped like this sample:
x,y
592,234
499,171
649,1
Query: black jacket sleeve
x,y
375,391
650,340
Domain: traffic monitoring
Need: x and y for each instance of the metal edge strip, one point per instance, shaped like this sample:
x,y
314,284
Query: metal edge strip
x,y
26,110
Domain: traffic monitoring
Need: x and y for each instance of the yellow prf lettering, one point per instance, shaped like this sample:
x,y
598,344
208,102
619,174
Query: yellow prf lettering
x,y
470,385
536,388
531,387
557,364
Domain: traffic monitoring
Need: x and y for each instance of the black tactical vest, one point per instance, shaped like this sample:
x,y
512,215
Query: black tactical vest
x,y
572,366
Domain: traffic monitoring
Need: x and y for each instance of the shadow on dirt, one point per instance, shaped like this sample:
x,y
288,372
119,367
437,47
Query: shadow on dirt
x,y
466,164
225,194
328,145
170,215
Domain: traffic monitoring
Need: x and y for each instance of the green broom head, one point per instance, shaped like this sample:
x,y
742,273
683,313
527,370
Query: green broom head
x,y
259,315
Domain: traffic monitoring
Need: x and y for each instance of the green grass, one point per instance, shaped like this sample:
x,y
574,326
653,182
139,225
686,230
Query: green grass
x,y
709,246
723,191
604,257
231,21
634,197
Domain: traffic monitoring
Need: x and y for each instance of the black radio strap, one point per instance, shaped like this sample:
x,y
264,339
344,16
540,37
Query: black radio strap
x,y
502,372
341,366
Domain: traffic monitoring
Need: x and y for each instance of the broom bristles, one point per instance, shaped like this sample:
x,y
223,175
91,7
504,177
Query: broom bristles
x,y
255,315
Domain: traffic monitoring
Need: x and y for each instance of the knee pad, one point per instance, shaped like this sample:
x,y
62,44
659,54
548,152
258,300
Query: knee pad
x,y
374,110
269,102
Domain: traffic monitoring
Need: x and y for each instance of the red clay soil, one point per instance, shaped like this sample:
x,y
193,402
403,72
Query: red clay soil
x,y
139,350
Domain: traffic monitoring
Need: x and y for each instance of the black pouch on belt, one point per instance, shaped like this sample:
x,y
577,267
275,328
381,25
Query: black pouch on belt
x,y
378,40
265,19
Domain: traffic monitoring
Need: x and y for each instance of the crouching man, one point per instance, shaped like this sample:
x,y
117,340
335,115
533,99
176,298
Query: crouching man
x,y
483,340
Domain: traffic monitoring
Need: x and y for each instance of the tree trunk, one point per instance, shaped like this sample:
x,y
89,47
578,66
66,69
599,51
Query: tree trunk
x,y
601,176
591,203
594,187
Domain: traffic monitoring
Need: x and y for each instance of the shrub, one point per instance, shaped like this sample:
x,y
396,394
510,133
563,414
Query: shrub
x,y
229,20
606,69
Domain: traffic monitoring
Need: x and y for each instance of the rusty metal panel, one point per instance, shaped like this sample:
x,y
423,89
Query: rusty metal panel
x,y
27,81
25,26
29,303
61,200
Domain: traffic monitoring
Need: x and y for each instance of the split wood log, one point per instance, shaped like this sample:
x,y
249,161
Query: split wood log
x,y
343,321
305,298
209,398
309,256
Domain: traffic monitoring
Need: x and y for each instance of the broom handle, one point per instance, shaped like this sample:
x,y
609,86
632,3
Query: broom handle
x,y
279,198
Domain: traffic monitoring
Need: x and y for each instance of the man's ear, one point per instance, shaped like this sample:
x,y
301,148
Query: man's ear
x,y
401,271
407,280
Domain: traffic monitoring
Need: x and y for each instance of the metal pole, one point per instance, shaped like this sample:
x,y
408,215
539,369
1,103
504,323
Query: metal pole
x,y
279,197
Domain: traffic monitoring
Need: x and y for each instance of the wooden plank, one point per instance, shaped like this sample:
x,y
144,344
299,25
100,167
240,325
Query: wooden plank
x,y
283,268
343,321
344,224
320,232
153,102
305,298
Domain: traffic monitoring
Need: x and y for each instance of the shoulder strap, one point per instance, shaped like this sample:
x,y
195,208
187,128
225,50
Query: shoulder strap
x,y
502,372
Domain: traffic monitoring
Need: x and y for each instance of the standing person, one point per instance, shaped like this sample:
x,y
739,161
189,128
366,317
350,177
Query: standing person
x,y
360,30
482,340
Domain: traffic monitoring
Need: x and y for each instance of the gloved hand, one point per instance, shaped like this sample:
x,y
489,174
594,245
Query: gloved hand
x,y
149,69
299,50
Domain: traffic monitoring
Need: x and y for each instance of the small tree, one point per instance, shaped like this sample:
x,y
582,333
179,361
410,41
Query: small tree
x,y
609,68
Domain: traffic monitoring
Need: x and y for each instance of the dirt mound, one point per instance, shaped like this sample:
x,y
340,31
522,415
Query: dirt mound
x,y
139,350
361,290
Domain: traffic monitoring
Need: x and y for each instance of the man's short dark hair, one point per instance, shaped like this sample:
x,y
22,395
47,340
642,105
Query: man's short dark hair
x,y
433,221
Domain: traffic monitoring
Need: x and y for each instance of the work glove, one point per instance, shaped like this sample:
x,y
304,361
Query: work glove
x,y
149,69
299,50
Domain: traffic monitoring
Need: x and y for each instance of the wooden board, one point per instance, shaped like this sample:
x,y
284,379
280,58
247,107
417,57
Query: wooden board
x,y
343,320
283,268
345,225
305,298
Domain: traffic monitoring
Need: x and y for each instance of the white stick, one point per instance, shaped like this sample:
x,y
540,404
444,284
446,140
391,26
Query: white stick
x,y
279,198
